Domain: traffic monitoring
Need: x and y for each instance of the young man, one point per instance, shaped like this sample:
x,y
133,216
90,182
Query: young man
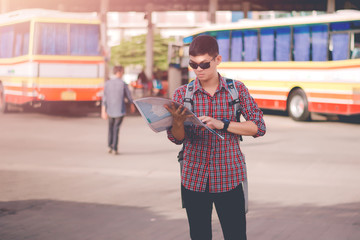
x,y
113,106
213,169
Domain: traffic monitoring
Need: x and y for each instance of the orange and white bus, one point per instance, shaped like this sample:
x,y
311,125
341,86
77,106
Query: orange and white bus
x,y
49,57
299,64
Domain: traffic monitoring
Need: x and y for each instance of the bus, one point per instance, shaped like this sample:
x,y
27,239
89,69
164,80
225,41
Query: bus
x,y
302,65
51,59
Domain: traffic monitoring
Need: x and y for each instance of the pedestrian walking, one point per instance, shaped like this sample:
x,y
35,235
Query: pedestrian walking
x,y
213,169
116,92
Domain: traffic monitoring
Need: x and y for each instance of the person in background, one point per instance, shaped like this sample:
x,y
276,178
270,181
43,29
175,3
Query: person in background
x,y
156,86
142,78
113,106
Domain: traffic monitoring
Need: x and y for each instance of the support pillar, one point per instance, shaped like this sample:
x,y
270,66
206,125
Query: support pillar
x,y
246,9
4,6
149,58
122,34
213,6
330,6
104,7
174,80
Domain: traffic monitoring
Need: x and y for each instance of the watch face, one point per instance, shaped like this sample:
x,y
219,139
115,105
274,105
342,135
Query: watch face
x,y
226,121
226,124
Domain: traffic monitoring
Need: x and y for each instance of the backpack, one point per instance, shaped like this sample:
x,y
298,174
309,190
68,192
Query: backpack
x,y
188,103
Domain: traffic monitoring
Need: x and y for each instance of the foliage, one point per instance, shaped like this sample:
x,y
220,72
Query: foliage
x,y
133,51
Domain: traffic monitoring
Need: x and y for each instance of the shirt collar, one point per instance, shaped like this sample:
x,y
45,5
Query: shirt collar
x,y
197,85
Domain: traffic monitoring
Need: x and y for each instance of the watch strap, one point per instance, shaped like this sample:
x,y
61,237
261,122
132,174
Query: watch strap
x,y
226,124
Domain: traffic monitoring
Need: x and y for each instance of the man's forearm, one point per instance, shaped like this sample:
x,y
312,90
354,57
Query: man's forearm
x,y
178,131
247,128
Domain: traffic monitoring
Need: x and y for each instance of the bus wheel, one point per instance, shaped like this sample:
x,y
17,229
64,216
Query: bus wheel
x,y
298,106
3,104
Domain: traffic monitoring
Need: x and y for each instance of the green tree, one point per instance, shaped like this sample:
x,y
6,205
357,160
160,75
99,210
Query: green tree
x,y
133,51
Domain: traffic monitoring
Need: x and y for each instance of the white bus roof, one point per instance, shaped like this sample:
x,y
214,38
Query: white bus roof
x,y
339,16
28,14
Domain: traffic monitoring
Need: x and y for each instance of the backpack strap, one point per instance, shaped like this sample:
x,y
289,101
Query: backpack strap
x,y
188,103
236,102
189,94
235,99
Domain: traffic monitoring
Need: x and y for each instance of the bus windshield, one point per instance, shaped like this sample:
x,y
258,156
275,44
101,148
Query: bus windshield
x,y
67,39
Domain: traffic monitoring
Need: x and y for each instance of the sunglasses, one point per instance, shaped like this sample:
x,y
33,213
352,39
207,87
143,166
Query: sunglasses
x,y
203,65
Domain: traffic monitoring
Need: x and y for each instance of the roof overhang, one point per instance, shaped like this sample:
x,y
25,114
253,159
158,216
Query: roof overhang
x,y
176,5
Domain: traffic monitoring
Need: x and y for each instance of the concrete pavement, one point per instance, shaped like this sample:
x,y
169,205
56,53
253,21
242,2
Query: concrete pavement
x,y
58,182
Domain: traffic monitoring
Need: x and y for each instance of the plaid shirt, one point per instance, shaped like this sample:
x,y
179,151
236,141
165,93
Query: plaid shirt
x,y
206,156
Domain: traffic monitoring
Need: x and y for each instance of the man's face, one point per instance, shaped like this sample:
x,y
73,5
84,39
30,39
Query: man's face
x,y
205,61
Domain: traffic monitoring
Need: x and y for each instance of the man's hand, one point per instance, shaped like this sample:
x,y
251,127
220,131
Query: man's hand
x,y
132,108
179,114
103,113
211,122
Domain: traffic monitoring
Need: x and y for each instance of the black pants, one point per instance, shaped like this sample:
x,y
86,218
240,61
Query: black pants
x,y
113,135
230,207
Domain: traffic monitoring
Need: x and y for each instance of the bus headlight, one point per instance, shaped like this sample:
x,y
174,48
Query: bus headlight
x,y
41,96
100,94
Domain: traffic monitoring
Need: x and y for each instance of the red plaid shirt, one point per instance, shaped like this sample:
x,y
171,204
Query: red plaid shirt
x,y
206,156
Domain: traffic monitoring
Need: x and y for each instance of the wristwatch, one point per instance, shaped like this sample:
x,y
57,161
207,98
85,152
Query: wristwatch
x,y
226,124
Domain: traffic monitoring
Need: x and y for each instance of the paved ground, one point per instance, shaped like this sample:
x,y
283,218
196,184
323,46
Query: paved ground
x,y
58,182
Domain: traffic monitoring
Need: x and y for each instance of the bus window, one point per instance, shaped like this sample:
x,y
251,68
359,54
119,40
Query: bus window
x,y
319,38
355,25
250,45
340,41
355,53
355,40
236,46
267,44
283,36
224,44
302,43
21,46
6,41
84,40
51,38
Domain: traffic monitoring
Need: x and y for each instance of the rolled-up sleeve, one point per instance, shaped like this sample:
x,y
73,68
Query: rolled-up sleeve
x,y
178,97
250,109
172,138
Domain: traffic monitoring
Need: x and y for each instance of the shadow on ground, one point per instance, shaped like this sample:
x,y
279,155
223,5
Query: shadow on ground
x,y
336,222
48,219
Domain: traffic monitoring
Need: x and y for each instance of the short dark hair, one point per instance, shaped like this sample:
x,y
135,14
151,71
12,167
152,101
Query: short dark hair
x,y
204,44
118,68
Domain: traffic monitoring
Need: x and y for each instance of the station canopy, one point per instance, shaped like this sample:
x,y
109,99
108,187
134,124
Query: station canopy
x,y
180,5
